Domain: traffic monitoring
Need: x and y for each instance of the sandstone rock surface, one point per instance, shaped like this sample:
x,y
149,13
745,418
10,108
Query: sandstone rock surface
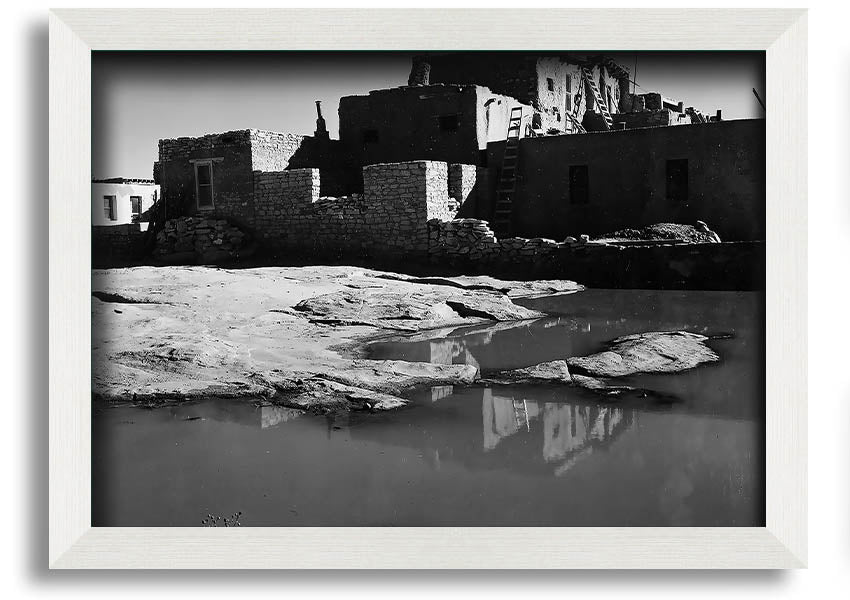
x,y
280,333
651,352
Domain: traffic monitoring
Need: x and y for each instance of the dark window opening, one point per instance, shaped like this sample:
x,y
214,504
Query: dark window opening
x,y
448,122
482,158
135,208
550,84
109,208
579,188
370,136
203,180
569,83
677,180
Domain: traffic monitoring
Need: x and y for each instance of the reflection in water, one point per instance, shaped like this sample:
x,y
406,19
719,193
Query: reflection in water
x,y
272,416
244,413
569,431
520,455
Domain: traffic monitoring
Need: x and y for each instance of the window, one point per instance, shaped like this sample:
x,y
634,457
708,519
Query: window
x,y
204,184
135,208
579,185
550,84
677,180
109,208
569,83
370,136
448,122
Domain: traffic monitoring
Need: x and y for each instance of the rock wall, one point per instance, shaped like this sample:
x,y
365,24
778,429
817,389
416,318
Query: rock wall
x,y
116,242
232,158
205,239
272,151
472,241
627,180
651,118
469,245
235,156
390,217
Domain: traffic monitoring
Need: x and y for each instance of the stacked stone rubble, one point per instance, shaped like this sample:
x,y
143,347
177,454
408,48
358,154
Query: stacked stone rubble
x,y
472,240
207,238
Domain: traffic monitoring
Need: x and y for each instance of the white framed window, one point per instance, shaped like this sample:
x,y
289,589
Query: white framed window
x,y
135,208
204,183
109,208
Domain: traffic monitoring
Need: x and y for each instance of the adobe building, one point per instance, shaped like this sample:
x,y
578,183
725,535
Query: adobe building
x,y
552,83
446,122
213,175
601,182
121,200
420,169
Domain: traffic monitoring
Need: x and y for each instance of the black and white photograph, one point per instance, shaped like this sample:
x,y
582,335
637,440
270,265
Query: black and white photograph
x,y
444,288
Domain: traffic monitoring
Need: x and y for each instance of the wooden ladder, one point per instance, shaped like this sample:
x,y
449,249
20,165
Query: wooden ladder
x,y
521,414
603,106
579,128
503,222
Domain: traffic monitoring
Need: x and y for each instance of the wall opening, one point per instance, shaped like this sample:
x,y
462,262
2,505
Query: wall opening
x,y
204,184
448,122
135,208
579,185
550,84
482,158
677,180
370,136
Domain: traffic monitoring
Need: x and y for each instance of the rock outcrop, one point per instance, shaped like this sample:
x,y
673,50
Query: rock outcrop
x,y
652,352
662,232
281,334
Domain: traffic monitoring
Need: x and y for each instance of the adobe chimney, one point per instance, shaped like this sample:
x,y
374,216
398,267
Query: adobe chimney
x,y
321,127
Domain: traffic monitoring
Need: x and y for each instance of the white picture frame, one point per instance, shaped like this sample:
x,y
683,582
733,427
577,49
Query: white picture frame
x,y
73,543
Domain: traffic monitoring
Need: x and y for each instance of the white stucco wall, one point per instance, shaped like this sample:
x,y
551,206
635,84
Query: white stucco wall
x,y
122,193
493,118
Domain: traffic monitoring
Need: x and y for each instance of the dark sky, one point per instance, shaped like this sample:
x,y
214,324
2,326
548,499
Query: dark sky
x,y
140,97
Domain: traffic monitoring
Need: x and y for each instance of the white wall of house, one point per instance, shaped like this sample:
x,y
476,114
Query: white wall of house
x,y
122,208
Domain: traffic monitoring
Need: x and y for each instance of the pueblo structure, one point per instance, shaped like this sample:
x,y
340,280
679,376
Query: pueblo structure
x,y
491,162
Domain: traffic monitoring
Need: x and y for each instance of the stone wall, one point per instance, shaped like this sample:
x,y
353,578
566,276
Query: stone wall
x,y
204,239
627,180
272,151
389,219
471,241
470,246
116,242
236,155
231,174
651,118
284,206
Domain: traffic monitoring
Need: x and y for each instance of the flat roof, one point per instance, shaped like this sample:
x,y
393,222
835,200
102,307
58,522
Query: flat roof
x,y
125,180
